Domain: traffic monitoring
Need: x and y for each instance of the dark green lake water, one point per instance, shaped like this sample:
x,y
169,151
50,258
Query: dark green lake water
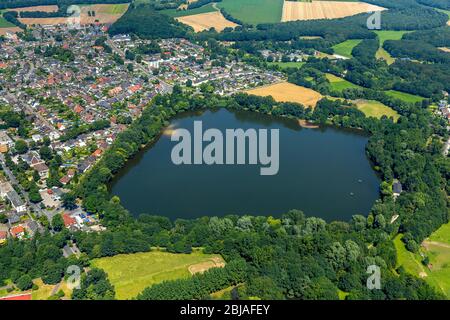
x,y
323,172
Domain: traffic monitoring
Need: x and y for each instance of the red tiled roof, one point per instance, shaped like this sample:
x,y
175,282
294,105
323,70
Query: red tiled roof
x,y
97,153
24,296
64,180
16,230
68,220
3,234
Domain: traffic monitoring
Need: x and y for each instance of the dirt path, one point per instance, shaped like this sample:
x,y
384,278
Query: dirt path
x,y
435,243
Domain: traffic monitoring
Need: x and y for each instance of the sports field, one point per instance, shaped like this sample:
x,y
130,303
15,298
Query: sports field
x,y
253,11
406,97
206,21
288,92
298,10
345,48
376,109
340,84
132,273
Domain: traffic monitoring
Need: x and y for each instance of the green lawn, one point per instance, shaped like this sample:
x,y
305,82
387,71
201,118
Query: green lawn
x,y
4,23
181,13
284,65
409,261
406,97
376,109
438,277
254,11
345,48
442,234
340,84
132,273
387,35
390,35
383,54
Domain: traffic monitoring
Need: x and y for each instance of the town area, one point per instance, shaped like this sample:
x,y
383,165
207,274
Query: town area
x,y
65,95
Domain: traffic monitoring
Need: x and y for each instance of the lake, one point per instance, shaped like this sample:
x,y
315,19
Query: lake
x,y
323,172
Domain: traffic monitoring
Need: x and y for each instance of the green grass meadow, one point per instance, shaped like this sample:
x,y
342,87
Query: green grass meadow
x,y
387,35
4,23
345,48
376,109
340,84
254,11
406,97
438,276
132,273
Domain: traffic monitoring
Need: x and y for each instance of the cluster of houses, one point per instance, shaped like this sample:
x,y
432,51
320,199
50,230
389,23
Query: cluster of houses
x,y
181,61
77,108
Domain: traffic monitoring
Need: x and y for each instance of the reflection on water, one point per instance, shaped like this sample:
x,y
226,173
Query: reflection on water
x,y
323,172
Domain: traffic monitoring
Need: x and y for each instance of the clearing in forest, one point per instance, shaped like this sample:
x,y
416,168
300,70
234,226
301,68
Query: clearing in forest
x,y
130,274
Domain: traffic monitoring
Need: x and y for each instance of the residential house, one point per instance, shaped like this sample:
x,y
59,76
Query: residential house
x,y
397,188
17,232
17,203
42,169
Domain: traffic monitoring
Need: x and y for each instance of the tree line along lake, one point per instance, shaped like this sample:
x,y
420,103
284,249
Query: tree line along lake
x,y
323,172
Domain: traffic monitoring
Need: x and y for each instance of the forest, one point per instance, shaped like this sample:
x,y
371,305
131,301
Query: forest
x,y
145,22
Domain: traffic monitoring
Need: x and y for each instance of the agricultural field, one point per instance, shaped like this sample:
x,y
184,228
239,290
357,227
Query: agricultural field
x,y
254,11
340,84
49,8
376,109
132,273
406,97
345,48
288,92
295,10
206,21
104,13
